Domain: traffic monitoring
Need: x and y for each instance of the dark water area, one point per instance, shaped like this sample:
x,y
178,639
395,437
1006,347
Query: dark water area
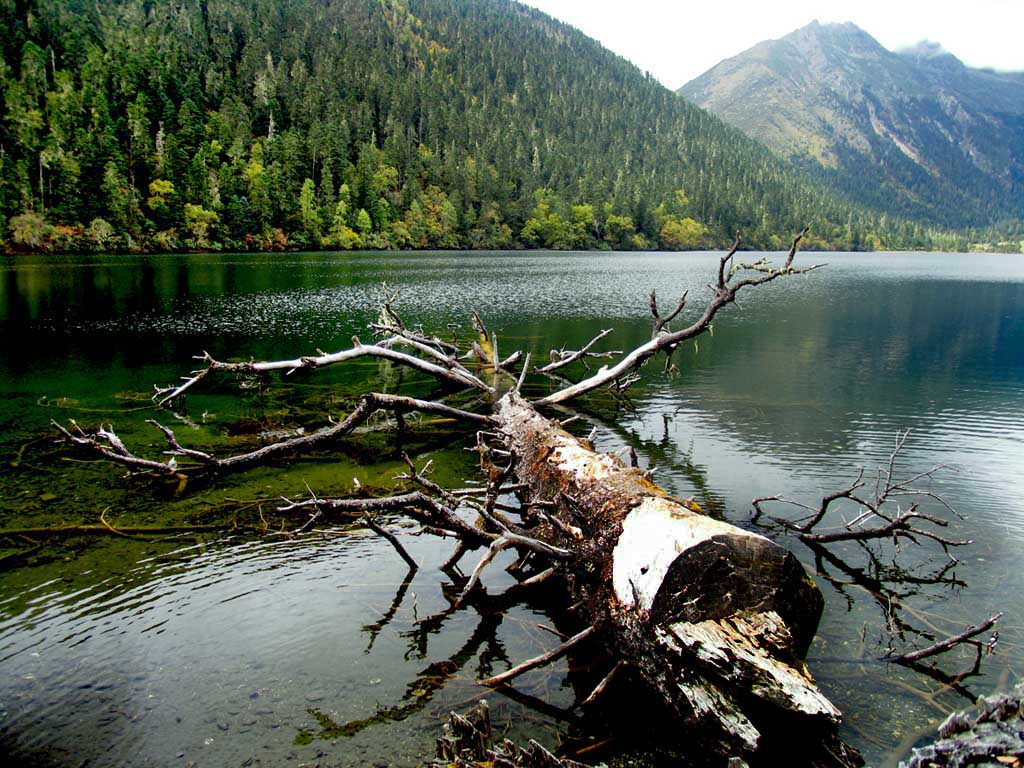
x,y
230,649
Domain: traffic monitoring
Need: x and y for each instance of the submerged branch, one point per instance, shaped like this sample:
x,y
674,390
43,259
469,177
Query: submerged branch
x,y
949,643
106,529
539,661
108,445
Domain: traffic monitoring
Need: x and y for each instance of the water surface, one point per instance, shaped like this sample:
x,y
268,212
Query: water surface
x,y
228,649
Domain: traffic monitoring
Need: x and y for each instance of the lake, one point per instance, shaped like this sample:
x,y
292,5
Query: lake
x,y
225,648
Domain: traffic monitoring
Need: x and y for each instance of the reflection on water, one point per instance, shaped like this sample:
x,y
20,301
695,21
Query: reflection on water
x,y
234,651
242,652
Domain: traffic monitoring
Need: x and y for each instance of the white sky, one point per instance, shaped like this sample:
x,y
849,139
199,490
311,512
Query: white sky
x,y
676,40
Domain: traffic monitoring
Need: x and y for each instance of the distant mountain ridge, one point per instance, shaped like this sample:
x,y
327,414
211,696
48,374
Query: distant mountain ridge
x,y
914,132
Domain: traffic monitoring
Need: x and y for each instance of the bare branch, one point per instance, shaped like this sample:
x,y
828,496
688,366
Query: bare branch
x,y
391,538
446,360
508,362
164,395
661,323
388,327
419,477
494,352
478,324
724,263
478,352
601,686
948,643
416,505
106,443
522,376
901,526
456,376
563,358
570,531
792,250
176,449
492,551
724,294
539,661
520,540
538,578
822,509
388,315
901,439
456,555
894,525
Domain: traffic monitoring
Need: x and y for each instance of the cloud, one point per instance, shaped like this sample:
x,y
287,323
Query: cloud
x,y
677,41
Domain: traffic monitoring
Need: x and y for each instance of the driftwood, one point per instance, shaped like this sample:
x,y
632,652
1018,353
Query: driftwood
x,y
468,742
713,619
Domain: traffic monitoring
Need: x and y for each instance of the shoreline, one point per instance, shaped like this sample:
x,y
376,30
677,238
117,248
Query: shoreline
x,y
403,251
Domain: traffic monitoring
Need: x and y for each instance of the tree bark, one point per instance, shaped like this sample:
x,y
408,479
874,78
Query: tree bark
x,y
717,620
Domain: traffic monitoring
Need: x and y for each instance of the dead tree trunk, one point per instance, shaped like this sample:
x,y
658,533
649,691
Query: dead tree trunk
x,y
714,619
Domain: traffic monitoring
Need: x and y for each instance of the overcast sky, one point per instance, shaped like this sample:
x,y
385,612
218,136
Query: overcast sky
x,y
676,40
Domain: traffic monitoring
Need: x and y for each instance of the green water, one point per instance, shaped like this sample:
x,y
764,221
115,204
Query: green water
x,y
230,649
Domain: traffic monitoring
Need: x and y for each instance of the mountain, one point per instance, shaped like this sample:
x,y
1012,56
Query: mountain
x,y
166,124
913,133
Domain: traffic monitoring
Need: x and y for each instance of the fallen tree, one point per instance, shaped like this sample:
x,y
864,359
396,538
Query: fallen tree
x,y
714,619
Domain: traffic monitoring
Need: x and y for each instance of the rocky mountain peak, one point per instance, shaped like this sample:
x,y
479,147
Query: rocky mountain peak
x,y
915,132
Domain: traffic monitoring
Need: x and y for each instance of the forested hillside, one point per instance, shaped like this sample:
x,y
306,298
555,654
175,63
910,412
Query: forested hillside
x,y
160,124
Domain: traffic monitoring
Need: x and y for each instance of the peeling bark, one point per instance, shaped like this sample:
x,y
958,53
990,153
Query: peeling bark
x,y
714,618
